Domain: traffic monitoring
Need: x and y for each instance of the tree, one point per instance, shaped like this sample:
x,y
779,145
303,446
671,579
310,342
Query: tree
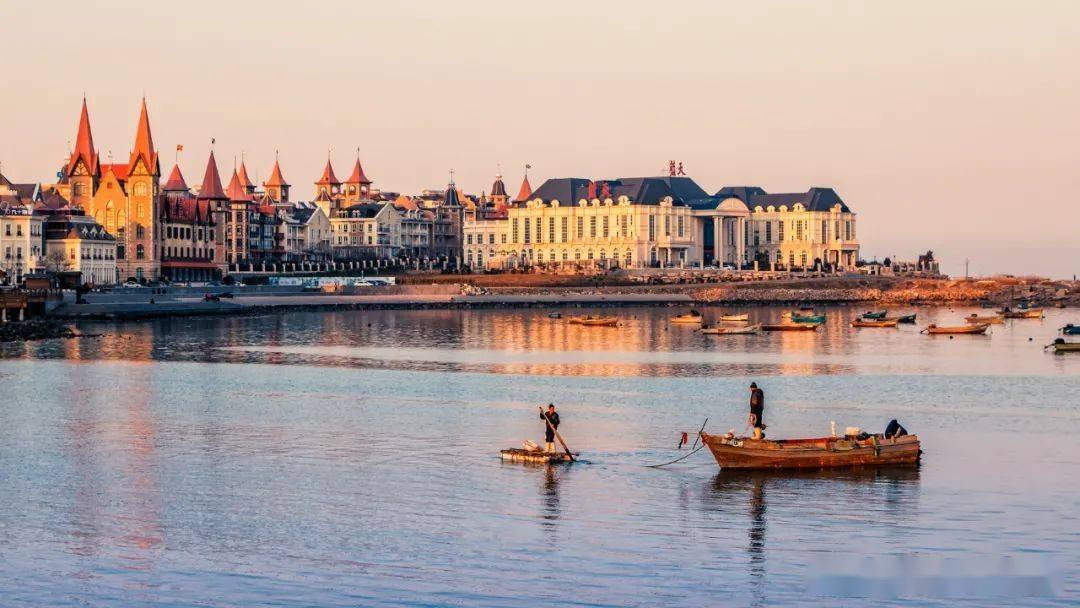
x,y
56,261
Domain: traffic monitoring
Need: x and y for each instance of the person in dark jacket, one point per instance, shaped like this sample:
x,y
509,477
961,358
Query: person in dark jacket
x,y
757,410
550,417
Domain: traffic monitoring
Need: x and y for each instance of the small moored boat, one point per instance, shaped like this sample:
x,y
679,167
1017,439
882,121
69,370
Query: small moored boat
x,y
1023,313
811,318
1071,330
909,319
743,318
875,315
692,317
1061,346
979,328
731,331
991,319
816,453
875,322
790,327
591,321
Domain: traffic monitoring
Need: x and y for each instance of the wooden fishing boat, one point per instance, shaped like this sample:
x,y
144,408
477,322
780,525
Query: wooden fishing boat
x,y
991,319
1024,313
875,315
743,318
875,322
692,317
909,319
595,321
555,315
979,328
1061,346
534,456
816,453
731,331
1071,330
819,319
790,327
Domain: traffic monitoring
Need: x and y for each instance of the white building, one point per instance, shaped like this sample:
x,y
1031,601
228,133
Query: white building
x,y
366,231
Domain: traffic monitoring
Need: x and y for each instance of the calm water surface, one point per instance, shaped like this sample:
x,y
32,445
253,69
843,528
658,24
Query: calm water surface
x,y
349,458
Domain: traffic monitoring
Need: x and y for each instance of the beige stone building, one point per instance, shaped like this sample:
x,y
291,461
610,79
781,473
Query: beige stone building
x,y
22,246
76,243
366,231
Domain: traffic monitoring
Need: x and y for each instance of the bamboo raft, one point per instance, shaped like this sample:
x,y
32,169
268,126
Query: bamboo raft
x,y
816,453
534,456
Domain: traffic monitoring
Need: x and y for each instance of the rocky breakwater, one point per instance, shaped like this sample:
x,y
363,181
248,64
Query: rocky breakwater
x,y
848,290
35,329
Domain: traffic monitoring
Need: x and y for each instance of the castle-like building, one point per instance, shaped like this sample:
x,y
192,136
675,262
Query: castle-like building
x,y
122,197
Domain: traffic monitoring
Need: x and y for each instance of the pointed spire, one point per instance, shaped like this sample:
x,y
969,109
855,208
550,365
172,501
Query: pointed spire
x,y
276,179
358,176
451,198
211,184
498,188
328,178
176,181
526,190
242,175
144,143
236,190
84,143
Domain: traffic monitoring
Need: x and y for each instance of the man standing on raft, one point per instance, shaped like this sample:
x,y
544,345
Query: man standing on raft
x,y
551,418
757,410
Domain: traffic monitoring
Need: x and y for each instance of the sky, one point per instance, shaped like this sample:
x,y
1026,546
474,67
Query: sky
x,y
951,126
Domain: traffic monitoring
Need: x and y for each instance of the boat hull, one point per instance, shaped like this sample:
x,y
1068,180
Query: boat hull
x,y
687,320
994,320
818,319
875,316
969,329
1071,330
791,327
872,323
533,457
731,331
1067,347
818,453
735,318
1034,313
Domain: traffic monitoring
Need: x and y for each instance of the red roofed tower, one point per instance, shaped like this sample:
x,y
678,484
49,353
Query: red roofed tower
x,y
238,219
211,184
245,181
144,203
358,185
82,172
144,148
176,182
329,183
526,190
276,187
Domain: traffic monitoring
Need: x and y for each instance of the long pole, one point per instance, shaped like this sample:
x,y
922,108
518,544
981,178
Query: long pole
x,y
556,431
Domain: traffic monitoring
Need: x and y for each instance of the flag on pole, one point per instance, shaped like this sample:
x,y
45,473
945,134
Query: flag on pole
x,y
179,147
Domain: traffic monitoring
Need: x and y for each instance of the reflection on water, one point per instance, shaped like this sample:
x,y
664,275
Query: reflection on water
x,y
346,459
529,342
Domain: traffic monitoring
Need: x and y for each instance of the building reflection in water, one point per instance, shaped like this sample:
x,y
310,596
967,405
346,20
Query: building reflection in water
x,y
645,344
117,503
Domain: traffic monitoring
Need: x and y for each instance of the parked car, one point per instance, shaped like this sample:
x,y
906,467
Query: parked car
x,y
133,285
226,294
212,297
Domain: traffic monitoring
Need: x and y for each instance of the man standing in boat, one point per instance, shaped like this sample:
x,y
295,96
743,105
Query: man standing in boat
x,y
551,418
757,410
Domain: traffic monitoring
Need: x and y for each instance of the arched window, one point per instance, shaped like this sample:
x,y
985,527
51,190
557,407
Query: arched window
x,y
591,255
78,189
577,254
565,255
140,189
140,252
629,258
603,255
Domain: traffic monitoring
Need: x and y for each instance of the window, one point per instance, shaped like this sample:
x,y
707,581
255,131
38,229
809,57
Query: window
x,y
565,223
682,226
623,229
768,232
605,228
551,230
652,227
780,231
667,225
468,239
798,230
565,253
491,238
139,231
140,252
629,258
580,228
539,230
140,189
528,232
18,230
824,231
592,230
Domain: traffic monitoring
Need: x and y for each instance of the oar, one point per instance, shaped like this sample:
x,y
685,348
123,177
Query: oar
x,y
557,435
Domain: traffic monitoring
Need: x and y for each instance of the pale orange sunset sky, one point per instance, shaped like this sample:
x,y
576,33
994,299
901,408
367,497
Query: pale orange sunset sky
x,y
946,125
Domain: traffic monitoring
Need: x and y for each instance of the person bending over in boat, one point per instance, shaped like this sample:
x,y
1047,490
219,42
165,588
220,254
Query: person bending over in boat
x,y
552,422
757,410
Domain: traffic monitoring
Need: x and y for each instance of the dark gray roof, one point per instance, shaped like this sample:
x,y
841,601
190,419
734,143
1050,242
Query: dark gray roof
x,y
363,210
640,190
814,199
498,188
450,197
